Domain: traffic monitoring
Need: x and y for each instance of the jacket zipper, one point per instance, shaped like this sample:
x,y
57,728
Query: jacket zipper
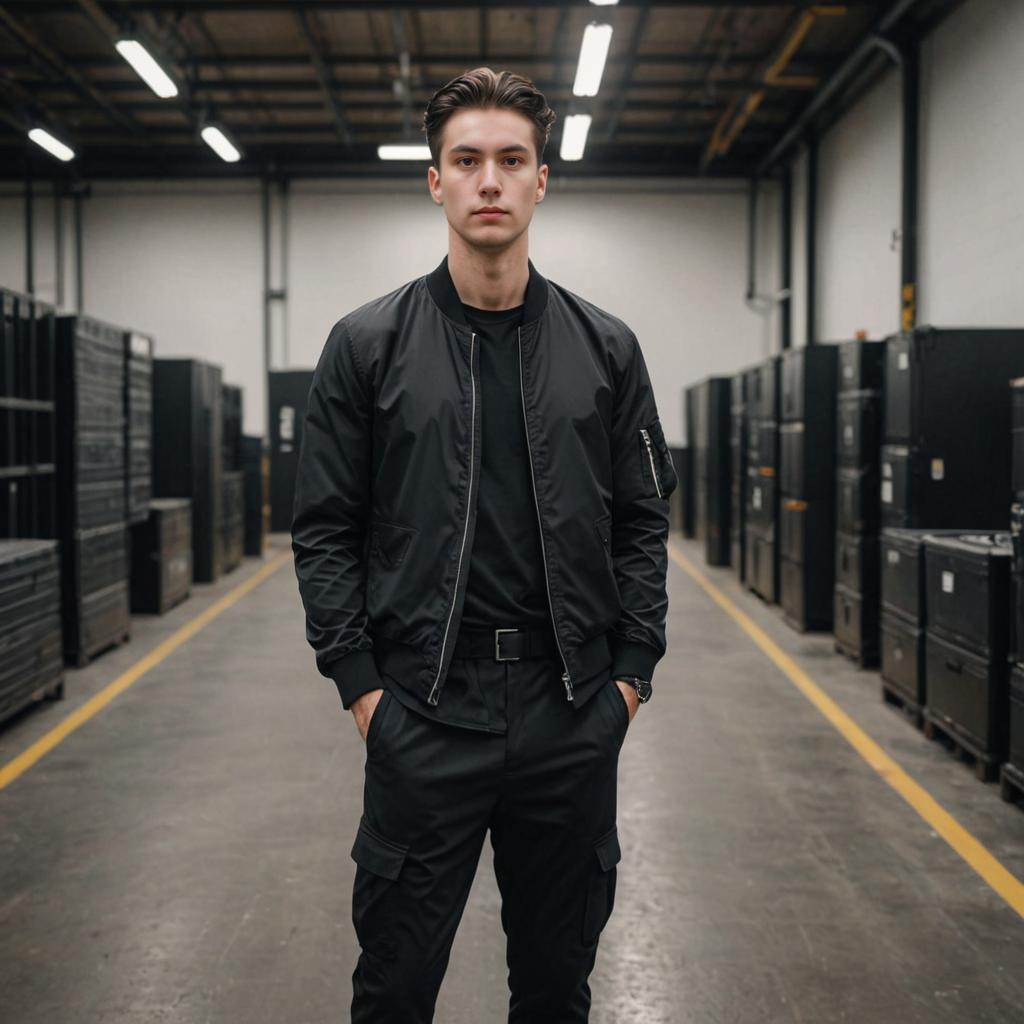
x,y
435,690
650,455
566,681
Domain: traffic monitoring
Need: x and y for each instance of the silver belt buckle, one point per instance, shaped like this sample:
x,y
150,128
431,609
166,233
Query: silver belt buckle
x,y
497,652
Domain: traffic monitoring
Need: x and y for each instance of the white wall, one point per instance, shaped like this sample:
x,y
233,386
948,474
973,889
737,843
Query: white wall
x,y
972,169
184,262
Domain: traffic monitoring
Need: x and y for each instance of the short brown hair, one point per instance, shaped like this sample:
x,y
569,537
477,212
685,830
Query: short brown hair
x,y
483,88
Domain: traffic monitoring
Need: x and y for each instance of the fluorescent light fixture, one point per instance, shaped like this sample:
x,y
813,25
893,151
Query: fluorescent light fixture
x,y
53,146
574,136
400,152
218,142
593,51
603,3
147,68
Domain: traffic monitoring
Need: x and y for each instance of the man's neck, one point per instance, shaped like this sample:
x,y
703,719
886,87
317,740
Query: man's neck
x,y
489,281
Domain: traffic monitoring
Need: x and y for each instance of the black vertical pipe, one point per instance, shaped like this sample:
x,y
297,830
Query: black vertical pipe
x,y
811,232
58,243
752,240
266,304
79,273
30,282
911,110
786,236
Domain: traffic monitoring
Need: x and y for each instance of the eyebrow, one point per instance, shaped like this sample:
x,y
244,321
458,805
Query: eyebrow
x,y
514,148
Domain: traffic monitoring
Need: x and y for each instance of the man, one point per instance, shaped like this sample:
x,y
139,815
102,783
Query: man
x,y
480,527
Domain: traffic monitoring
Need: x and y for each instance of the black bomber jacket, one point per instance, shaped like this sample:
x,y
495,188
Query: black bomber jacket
x,y
389,469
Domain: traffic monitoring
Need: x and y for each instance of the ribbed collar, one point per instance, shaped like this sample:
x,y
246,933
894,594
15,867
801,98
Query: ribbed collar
x,y
442,291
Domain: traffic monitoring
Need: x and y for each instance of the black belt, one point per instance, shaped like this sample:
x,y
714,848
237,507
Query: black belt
x,y
505,644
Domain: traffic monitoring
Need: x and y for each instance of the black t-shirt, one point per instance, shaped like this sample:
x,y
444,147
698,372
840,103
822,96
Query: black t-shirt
x,y
506,584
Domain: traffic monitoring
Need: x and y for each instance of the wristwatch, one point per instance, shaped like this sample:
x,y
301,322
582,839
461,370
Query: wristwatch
x,y
642,686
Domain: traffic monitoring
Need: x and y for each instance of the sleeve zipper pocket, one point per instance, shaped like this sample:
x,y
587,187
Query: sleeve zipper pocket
x,y
650,455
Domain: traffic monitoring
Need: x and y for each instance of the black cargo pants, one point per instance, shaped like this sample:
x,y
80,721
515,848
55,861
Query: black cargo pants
x,y
546,789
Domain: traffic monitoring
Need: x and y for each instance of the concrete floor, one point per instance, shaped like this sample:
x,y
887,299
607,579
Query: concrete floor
x,y
184,856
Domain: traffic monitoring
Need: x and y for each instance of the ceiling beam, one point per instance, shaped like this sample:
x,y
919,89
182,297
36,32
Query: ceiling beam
x,y
29,39
287,6
299,61
324,77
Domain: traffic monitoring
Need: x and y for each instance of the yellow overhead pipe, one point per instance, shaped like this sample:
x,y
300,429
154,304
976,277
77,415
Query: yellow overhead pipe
x,y
729,126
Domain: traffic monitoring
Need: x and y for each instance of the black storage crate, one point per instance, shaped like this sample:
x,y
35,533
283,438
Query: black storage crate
x,y
858,427
27,417
187,452
256,468
857,566
855,623
903,571
763,444
762,501
806,533
712,462
808,461
948,410
762,564
138,413
902,656
1016,738
763,389
967,698
806,594
234,518
967,591
162,556
289,394
1017,441
861,365
857,500
231,434
91,485
809,388
31,664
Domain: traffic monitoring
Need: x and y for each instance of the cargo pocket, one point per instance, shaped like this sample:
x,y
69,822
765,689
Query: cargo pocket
x,y
601,885
378,864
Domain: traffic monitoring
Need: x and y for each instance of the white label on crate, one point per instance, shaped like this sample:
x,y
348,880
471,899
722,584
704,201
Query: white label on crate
x,y
755,498
847,434
286,427
848,372
893,557
938,469
902,361
887,470
140,345
947,582
887,492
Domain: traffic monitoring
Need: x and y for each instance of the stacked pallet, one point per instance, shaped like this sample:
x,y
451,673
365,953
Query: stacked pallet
x,y
1013,771
91,524
188,452
807,497
138,419
762,507
967,587
233,522
256,473
27,417
859,403
162,556
31,662
738,440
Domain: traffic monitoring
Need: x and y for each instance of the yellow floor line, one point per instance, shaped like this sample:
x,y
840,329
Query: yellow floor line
x,y
10,771
1007,885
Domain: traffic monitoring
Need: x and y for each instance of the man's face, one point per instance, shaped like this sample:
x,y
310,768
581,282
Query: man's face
x,y
487,159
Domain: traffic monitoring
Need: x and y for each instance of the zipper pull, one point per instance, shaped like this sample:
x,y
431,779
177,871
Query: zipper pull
x,y
432,697
568,685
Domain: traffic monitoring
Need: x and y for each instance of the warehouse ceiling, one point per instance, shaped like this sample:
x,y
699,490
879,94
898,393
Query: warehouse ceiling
x,y
313,88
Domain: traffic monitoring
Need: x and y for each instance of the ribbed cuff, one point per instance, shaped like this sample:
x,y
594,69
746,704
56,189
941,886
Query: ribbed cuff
x,y
633,659
354,675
